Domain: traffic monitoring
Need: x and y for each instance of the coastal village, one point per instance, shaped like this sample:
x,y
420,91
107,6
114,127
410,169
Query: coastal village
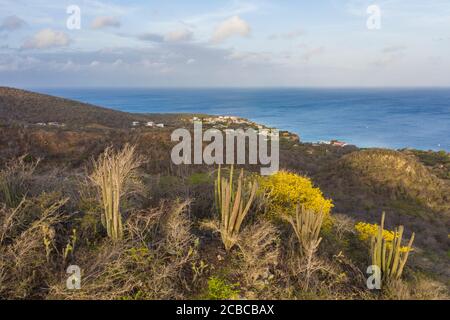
x,y
219,122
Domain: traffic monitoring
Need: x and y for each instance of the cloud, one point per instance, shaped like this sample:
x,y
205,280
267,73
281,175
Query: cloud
x,y
105,22
313,52
393,49
12,23
182,35
47,38
179,35
390,55
229,28
288,36
152,37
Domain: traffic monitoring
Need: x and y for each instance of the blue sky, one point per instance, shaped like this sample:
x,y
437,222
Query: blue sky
x,y
225,43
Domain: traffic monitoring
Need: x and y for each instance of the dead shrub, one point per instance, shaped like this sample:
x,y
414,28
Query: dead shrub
x,y
258,255
151,262
28,246
14,178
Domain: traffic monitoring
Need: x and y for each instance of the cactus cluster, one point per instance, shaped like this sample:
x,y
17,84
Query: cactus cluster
x,y
307,225
390,256
112,172
233,205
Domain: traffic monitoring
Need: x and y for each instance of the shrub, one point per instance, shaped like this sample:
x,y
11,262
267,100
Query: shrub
x,y
367,231
199,178
220,289
285,190
28,248
13,180
151,262
258,255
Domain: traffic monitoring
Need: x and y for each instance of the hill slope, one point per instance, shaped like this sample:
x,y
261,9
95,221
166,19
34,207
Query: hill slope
x,y
22,106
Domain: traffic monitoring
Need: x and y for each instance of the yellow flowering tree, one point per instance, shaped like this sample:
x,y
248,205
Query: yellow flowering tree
x,y
285,190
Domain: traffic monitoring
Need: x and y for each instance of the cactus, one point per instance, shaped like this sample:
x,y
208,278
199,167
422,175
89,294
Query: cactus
x,y
307,225
390,256
113,171
233,205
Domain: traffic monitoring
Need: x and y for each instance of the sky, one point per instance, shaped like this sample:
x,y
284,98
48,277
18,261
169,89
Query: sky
x,y
220,43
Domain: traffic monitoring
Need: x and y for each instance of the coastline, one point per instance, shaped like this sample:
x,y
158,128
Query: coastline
x,y
393,119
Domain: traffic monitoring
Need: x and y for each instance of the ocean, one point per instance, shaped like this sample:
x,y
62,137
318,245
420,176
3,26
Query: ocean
x,y
387,118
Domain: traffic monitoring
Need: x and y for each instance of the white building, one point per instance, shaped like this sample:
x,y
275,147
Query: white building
x,y
56,124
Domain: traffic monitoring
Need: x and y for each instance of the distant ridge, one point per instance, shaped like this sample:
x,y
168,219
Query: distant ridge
x,y
21,106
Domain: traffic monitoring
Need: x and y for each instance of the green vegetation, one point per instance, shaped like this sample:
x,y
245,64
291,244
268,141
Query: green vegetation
x,y
220,289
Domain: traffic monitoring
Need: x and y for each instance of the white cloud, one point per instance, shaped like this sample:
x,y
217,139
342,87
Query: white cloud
x,y
105,22
47,38
179,35
229,28
12,23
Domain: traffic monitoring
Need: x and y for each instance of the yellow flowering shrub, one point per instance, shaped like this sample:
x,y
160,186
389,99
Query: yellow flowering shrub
x,y
366,231
285,190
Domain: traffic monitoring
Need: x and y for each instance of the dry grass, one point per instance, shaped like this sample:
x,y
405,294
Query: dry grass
x,y
29,254
151,262
14,178
258,255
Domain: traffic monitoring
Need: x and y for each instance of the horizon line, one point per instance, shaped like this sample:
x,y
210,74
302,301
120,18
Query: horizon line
x,y
232,87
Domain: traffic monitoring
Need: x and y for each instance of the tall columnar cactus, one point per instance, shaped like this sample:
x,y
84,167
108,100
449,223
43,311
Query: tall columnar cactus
x,y
112,173
233,205
307,225
390,256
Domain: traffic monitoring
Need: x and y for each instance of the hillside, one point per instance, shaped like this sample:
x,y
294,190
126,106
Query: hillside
x,y
394,175
411,186
20,106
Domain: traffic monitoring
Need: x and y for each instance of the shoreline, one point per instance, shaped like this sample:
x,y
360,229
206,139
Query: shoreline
x,y
332,142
